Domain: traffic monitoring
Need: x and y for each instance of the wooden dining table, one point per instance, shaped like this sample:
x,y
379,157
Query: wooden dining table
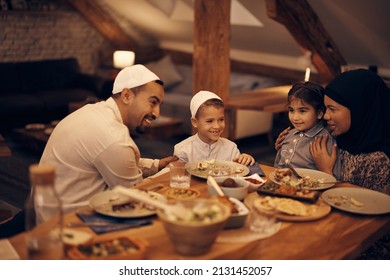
x,y
338,235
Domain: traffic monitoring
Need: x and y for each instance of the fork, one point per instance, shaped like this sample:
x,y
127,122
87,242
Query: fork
x,y
294,171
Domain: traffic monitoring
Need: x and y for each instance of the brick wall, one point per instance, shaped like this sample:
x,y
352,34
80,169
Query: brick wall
x,y
38,35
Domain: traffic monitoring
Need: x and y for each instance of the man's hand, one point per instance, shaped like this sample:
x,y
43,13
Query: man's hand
x,y
318,149
279,140
245,159
165,161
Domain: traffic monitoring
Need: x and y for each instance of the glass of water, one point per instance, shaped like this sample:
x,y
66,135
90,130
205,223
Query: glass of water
x,y
180,176
261,221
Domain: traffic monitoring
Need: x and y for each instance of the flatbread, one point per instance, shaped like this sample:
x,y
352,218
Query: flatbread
x,y
284,205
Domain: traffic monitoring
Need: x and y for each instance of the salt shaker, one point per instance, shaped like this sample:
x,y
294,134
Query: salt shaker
x,y
43,216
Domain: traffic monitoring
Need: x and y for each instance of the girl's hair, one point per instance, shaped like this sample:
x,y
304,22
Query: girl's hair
x,y
310,93
211,102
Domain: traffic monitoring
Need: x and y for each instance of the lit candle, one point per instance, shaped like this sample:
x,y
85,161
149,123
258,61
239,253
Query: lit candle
x,y
307,74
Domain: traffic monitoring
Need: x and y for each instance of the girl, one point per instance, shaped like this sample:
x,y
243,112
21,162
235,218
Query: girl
x,y
305,110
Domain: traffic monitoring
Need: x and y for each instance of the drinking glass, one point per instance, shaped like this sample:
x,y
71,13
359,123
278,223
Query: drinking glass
x,y
180,177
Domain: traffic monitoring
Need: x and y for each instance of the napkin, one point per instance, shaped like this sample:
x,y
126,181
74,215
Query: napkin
x,y
124,223
256,169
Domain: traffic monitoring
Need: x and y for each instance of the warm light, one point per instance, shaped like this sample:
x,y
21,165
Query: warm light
x,y
307,74
123,59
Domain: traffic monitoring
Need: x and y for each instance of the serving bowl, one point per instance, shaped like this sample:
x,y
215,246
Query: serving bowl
x,y
197,234
240,191
237,220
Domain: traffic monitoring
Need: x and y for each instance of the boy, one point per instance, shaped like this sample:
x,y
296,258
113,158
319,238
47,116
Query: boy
x,y
208,117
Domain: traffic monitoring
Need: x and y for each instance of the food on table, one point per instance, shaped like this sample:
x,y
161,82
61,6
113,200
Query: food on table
x,y
216,168
280,174
201,213
129,204
204,165
284,176
182,193
284,205
229,183
284,190
253,181
340,200
116,248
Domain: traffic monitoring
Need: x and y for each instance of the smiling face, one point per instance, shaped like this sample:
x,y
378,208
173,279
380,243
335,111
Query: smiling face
x,y
210,122
337,116
141,105
303,116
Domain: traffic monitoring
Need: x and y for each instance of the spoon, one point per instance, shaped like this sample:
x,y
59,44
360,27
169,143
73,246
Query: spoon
x,y
177,210
217,188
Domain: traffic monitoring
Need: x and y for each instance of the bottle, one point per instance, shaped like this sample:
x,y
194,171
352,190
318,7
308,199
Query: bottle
x,y
43,216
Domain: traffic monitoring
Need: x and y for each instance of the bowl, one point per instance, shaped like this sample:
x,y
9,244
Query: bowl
x,y
239,192
195,236
237,220
255,182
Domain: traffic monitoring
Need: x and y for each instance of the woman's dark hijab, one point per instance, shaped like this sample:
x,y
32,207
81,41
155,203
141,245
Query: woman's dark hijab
x,y
368,99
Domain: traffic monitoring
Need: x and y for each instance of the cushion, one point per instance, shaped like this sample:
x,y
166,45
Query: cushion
x,y
166,70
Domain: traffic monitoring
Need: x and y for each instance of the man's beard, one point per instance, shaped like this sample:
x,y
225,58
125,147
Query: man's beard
x,y
139,129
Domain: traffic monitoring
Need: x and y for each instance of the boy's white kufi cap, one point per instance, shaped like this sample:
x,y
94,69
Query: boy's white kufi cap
x,y
133,76
200,98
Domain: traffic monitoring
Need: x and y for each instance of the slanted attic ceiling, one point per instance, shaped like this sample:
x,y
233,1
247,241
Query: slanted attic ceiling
x,y
358,27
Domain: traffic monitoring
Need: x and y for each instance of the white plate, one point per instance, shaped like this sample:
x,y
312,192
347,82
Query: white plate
x,y
103,202
373,202
322,210
314,174
232,166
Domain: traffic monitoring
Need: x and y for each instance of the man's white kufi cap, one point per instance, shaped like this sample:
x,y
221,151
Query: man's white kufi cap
x,y
200,98
133,76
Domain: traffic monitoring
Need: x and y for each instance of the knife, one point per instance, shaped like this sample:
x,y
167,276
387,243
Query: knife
x,y
294,171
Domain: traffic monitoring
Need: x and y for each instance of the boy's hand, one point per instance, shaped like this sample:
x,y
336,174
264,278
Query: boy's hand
x,y
245,159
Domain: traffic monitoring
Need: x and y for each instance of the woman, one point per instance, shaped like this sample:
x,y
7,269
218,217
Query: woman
x,y
357,113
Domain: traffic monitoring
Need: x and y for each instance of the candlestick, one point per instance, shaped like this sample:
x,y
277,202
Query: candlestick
x,y
307,74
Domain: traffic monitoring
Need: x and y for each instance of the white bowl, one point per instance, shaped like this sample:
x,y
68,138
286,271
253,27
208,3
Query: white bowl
x,y
239,192
237,220
253,186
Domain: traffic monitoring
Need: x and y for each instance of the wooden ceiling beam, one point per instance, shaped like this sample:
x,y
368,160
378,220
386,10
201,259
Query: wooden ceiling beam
x,y
109,29
306,28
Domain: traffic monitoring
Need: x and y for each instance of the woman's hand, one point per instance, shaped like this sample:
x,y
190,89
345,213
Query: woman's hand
x,y
165,161
279,140
318,149
245,159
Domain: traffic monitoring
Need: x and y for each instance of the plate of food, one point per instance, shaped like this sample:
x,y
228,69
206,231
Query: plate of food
x,y
312,179
358,200
182,193
288,191
116,205
216,168
288,209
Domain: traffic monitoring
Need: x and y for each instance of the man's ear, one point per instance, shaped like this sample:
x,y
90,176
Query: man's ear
x,y
126,95
194,122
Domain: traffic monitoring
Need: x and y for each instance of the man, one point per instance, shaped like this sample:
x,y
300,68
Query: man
x,y
92,149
